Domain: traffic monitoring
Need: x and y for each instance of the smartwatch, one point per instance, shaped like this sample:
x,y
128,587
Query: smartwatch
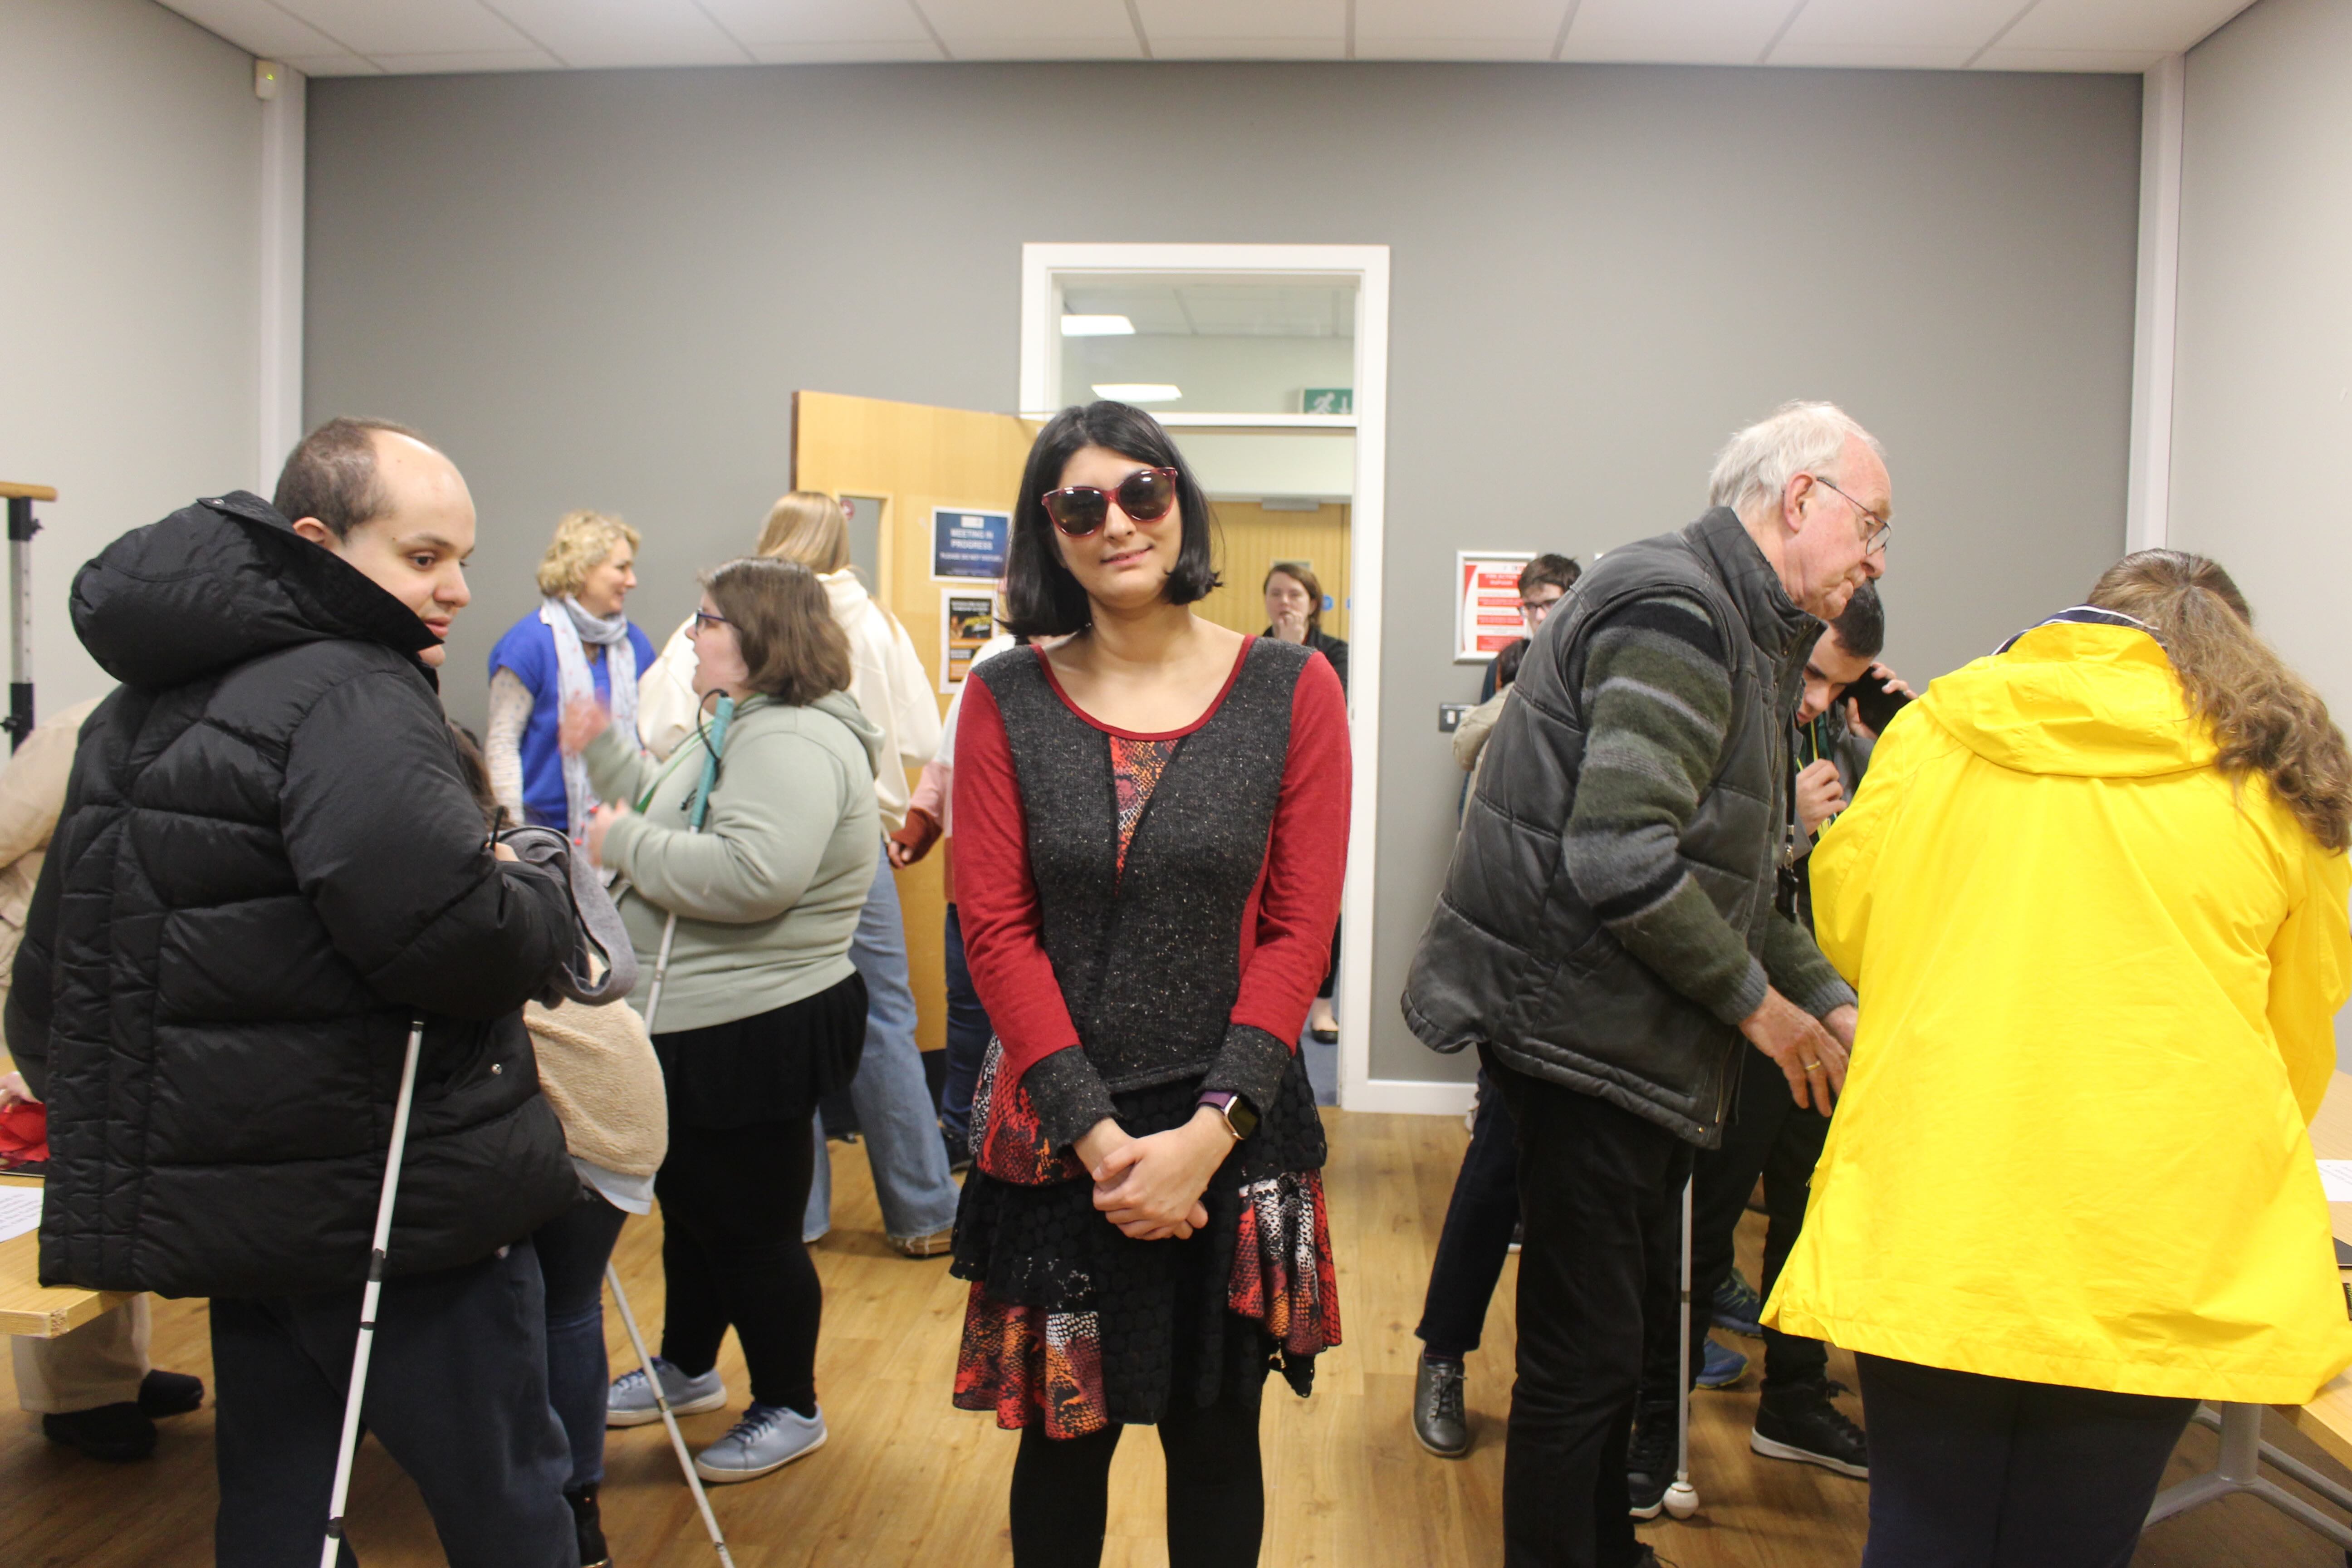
x,y
1240,1120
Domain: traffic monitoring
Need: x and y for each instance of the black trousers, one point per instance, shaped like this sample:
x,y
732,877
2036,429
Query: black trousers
x,y
1216,1491
1600,1188
1770,1136
1479,1219
731,1202
456,1393
1968,1471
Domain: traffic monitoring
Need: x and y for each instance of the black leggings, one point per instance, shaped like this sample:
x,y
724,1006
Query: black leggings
x,y
1217,1492
731,1200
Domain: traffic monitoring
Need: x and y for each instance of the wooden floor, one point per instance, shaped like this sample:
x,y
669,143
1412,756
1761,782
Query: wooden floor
x,y
907,1480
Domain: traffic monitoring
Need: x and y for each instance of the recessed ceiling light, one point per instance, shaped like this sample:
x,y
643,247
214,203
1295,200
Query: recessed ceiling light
x,y
1137,391
1098,327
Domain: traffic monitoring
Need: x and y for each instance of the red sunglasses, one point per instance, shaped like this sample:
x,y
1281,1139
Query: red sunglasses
x,y
1144,495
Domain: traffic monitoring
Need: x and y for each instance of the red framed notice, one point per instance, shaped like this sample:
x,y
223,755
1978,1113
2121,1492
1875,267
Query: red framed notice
x,y
1486,602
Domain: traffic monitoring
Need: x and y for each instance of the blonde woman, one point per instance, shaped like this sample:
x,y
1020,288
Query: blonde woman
x,y
896,1114
2093,896
579,642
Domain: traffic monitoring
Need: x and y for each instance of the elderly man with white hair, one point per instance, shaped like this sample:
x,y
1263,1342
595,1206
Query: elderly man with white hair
x,y
1607,938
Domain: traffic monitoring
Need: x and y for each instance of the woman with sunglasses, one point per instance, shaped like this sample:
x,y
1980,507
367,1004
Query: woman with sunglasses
x,y
1153,821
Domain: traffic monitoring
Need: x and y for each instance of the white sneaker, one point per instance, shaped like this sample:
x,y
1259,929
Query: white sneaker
x,y
769,1438
630,1401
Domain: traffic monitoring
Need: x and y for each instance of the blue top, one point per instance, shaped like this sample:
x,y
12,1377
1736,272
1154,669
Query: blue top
x,y
529,650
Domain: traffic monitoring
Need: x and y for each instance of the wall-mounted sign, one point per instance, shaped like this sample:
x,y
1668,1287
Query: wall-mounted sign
x,y
970,546
1486,602
966,623
1328,400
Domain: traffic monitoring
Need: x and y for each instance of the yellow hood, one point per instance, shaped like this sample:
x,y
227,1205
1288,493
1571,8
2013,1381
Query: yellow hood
x,y
2076,700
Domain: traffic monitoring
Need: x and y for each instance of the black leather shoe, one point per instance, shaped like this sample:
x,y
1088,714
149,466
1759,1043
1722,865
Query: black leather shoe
x,y
1439,1418
1800,1424
1649,1461
169,1394
118,1434
592,1553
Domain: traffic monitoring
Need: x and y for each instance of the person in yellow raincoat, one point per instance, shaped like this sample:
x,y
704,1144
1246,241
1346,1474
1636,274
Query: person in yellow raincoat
x,y
2093,897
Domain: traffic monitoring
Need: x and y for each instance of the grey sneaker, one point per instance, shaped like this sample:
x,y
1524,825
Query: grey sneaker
x,y
630,1401
1439,1419
769,1438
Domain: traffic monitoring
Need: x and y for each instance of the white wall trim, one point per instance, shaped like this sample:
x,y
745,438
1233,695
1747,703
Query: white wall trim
x,y
1368,267
2147,506
284,146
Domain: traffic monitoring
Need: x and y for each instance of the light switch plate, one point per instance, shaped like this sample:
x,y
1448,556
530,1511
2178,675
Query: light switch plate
x,y
1450,714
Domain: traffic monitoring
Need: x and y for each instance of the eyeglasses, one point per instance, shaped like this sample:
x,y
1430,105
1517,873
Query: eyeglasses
x,y
1873,543
703,619
1144,495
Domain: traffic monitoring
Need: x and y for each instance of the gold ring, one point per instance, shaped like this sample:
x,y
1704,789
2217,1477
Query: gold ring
x,y
1812,1066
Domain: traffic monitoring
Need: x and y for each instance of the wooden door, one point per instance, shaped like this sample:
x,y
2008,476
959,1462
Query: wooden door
x,y
1251,538
913,458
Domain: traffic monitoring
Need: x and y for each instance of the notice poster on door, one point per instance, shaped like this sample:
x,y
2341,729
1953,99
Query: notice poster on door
x,y
966,623
1486,602
970,546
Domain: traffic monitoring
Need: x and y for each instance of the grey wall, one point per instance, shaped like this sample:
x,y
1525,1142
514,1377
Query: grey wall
x,y
131,178
602,288
2262,384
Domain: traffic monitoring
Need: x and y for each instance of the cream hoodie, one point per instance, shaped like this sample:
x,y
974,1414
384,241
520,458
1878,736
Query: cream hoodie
x,y
886,678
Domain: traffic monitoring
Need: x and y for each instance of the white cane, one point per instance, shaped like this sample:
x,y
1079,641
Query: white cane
x,y
611,1274
344,1454
1682,1498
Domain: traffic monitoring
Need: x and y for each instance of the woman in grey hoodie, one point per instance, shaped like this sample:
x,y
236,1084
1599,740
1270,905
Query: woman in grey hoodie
x,y
761,1012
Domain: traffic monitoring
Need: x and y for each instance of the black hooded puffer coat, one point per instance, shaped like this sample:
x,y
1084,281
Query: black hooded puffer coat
x,y
268,864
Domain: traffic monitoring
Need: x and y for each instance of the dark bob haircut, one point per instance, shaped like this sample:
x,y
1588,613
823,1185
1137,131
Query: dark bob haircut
x,y
796,652
1041,599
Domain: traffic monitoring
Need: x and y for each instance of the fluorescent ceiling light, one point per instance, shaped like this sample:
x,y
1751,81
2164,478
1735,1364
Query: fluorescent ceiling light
x,y
1098,327
1137,391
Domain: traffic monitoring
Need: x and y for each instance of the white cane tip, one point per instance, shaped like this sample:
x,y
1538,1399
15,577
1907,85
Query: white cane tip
x,y
1682,1499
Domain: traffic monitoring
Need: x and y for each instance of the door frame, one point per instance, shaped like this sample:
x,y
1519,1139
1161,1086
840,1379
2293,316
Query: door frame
x,y
1368,267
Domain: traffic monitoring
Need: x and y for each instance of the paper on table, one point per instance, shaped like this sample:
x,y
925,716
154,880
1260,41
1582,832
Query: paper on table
x,y
20,1211
2335,1180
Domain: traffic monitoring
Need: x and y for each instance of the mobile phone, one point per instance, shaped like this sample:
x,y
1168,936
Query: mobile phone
x,y
1876,704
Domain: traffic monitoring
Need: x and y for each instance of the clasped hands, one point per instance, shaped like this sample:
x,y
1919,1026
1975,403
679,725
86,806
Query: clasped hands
x,y
1151,1187
1812,1053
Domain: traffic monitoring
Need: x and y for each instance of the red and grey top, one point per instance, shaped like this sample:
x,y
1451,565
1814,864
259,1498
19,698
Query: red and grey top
x,y
1141,909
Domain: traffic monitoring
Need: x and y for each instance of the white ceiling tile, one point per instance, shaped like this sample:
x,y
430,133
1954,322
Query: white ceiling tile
x,y
1688,32
2166,26
1037,25
1174,21
258,28
1393,24
1333,47
823,52
1452,48
1966,25
466,61
407,27
595,32
344,63
1876,57
2128,61
826,22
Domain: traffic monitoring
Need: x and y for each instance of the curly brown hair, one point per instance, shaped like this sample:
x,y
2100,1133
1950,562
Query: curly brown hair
x,y
2265,719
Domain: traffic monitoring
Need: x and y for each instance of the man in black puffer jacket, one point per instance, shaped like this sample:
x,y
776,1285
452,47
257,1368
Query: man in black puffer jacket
x,y
270,863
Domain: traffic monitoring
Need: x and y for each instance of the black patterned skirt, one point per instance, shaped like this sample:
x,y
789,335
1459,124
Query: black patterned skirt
x,y
1075,1326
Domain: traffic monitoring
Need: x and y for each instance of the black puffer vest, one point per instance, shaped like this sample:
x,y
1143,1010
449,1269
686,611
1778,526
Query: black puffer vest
x,y
1514,958
268,865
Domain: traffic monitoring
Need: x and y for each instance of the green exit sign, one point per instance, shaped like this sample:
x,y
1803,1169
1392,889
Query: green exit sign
x,y
1328,400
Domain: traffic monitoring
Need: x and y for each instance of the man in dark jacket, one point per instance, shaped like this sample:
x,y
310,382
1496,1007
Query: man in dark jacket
x,y
268,864
1606,936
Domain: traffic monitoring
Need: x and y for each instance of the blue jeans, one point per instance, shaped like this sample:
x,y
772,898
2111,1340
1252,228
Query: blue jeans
x,y
968,1031
895,1117
574,1248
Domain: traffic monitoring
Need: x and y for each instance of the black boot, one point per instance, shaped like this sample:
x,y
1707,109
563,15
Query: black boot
x,y
593,1553
116,1433
1799,1422
165,1393
1650,1458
